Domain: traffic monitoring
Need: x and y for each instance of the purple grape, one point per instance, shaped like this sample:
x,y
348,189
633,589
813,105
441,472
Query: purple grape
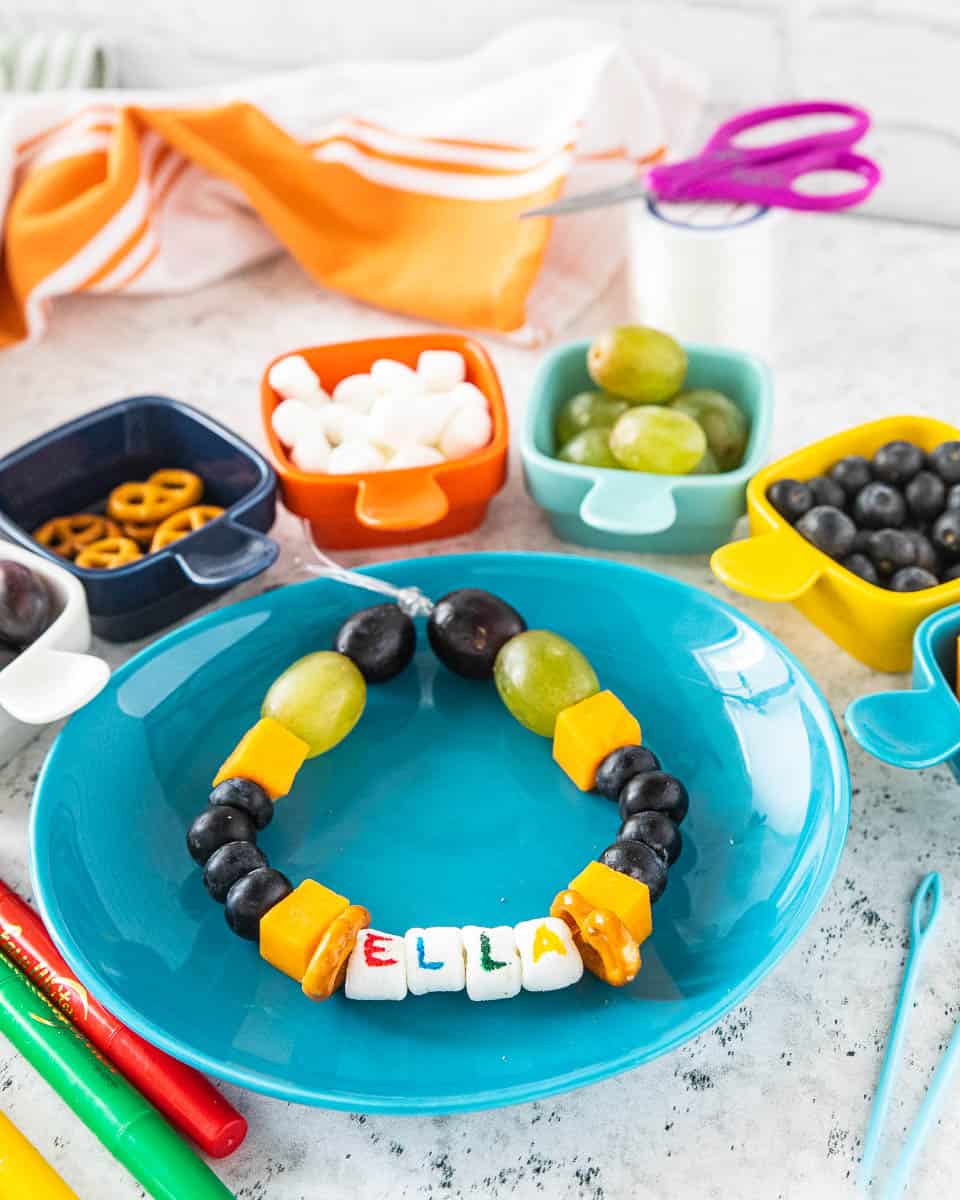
x,y
25,604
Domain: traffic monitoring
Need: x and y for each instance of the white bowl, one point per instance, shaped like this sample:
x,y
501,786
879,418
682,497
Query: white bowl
x,y
52,677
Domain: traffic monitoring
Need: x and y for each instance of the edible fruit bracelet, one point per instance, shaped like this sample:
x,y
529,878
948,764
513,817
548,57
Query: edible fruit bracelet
x,y
321,939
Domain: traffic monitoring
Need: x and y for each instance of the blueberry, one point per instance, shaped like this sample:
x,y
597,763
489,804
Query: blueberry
x,y
913,579
621,766
945,534
656,791
879,506
215,827
827,491
245,794
252,897
852,473
926,495
951,573
891,549
656,831
228,864
829,529
467,628
898,462
380,640
639,862
926,556
790,498
860,565
861,543
945,460
953,496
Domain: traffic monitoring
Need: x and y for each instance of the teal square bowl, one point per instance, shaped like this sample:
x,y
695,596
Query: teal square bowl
x,y
631,510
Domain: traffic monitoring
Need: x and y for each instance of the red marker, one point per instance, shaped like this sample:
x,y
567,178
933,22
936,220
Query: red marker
x,y
187,1100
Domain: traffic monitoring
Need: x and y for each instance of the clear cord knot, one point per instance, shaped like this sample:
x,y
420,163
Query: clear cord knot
x,y
409,599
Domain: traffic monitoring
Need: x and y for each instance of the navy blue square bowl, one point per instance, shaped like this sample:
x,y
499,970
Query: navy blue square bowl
x,y
74,467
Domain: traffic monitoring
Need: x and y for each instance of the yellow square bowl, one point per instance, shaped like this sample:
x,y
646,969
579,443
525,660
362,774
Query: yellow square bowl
x,y
776,563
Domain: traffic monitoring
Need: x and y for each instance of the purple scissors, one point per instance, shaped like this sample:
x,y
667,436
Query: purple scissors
x,y
761,174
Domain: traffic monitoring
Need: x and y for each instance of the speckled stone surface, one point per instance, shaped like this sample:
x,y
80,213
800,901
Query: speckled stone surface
x,y
771,1102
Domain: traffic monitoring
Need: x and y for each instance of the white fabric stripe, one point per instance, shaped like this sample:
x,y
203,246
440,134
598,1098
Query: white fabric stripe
x,y
139,253
69,147
80,124
441,183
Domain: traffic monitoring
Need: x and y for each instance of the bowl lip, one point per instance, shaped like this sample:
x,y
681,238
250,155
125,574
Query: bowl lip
x,y
945,593
495,449
529,1090
760,433
266,483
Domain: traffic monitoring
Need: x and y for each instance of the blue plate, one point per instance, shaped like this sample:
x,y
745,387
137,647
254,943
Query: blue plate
x,y
440,809
920,726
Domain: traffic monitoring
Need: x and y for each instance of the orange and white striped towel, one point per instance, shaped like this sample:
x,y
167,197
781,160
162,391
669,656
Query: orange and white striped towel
x,y
399,184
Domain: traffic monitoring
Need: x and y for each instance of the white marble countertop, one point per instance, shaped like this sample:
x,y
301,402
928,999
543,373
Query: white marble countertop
x,y
770,1103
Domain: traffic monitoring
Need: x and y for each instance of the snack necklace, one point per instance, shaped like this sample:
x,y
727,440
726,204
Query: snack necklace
x,y
320,938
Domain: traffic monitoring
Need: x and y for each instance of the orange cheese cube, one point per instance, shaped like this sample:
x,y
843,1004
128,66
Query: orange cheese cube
x,y
603,887
587,732
269,754
290,931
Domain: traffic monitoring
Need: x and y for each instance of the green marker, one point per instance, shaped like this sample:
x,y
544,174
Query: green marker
x,y
127,1124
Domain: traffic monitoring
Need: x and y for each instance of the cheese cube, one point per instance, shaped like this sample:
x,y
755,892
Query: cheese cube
x,y
493,962
269,754
548,958
602,887
434,960
290,931
587,732
377,968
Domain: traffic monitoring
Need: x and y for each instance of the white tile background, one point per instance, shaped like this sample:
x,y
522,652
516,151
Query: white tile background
x,y
899,58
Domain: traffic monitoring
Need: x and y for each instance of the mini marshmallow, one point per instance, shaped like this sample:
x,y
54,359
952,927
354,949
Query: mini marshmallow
x,y
293,377
377,968
311,451
466,432
493,962
415,456
436,410
396,377
548,957
355,458
342,424
434,960
441,370
395,420
468,395
357,392
293,419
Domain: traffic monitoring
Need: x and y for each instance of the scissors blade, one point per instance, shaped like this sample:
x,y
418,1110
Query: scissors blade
x,y
634,190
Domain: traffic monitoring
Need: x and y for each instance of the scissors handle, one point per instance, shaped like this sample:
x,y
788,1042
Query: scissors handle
x,y
725,136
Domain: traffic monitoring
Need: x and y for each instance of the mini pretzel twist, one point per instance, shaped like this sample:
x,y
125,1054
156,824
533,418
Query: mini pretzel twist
x,y
328,966
142,502
68,535
108,553
607,947
189,520
141,532
185,486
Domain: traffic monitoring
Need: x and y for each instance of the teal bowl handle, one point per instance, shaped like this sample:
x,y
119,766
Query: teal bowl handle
x,y
912,729
615,504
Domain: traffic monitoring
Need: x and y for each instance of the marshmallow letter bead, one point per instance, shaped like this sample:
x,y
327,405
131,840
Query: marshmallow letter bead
x,y
357,392
493,962
467,431
376,970
548,957
292,419
293,378
441,370
434,960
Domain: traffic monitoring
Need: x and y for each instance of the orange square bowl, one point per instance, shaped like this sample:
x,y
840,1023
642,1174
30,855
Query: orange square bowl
x,y
390,508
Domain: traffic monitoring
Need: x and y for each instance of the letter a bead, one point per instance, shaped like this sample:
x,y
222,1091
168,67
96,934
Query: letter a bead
x,y
434,960
377,968
493,962
548,957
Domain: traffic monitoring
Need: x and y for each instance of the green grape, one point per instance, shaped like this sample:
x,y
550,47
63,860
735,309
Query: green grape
x,y
659,440
587,410
707,465
589,449
319,698
538,674
644,365
725,424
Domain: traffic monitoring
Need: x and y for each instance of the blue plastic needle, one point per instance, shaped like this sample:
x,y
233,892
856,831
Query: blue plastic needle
x,y
923,913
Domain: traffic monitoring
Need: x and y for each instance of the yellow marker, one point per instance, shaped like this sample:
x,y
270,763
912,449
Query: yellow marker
x,y
545,941
24,1171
